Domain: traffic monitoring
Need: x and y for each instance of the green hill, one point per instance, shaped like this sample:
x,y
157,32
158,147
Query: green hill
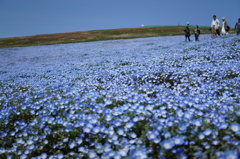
x,y
96,35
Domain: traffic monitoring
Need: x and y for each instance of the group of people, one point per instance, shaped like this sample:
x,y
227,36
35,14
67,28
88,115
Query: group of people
x,y
216,24
214,29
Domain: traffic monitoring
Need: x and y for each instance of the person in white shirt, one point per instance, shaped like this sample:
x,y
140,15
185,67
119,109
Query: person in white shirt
x,y
225,28
216,23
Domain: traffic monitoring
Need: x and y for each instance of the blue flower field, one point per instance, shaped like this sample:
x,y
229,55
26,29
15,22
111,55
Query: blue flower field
x,y
142,98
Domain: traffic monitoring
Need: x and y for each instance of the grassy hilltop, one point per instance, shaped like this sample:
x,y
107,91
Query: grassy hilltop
x,y
95,35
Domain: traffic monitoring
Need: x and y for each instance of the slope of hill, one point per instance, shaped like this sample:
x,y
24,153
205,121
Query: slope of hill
x,y
95,35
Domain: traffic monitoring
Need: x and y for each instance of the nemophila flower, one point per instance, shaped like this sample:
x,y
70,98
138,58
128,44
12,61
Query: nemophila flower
x,y
235,127
107,147
43,155
2,150
114,137
20,141
65,139
120,131
197,122
182,127
13,133
108,102
25,134
226,138
71,144
82,149
110,131
92,154
199,154
231,154
207,132
129,125
117,155
136,119
223,126
45,142
201,136
215,142
86,129
123,152
59,156
167,134
138,153
125,118
31,147
23,156
113,155
117,122
206,145
167,144
178,140
132,135
108,117
238,112
151,136
78,140
9,156
96,130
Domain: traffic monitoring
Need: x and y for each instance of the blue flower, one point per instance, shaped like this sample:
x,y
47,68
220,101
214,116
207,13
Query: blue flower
x,y
23,156
71,145
82,150
9,156
223,126
65,139
86,129
132,135
114,137
152,135
123,152
43,155
207,132
129,124
231,154
60,156
92,154
178,140
30,142
167,144
96,130
167,134
138,153
197,122
201,136
117,122
120,132
235,127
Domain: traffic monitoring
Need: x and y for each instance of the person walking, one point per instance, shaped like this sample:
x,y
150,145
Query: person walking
x,y
187,33
237,27
225,27
197,32
215,24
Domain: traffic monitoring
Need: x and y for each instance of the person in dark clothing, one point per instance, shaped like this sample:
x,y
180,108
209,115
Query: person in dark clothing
x,y
187,33
237,27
